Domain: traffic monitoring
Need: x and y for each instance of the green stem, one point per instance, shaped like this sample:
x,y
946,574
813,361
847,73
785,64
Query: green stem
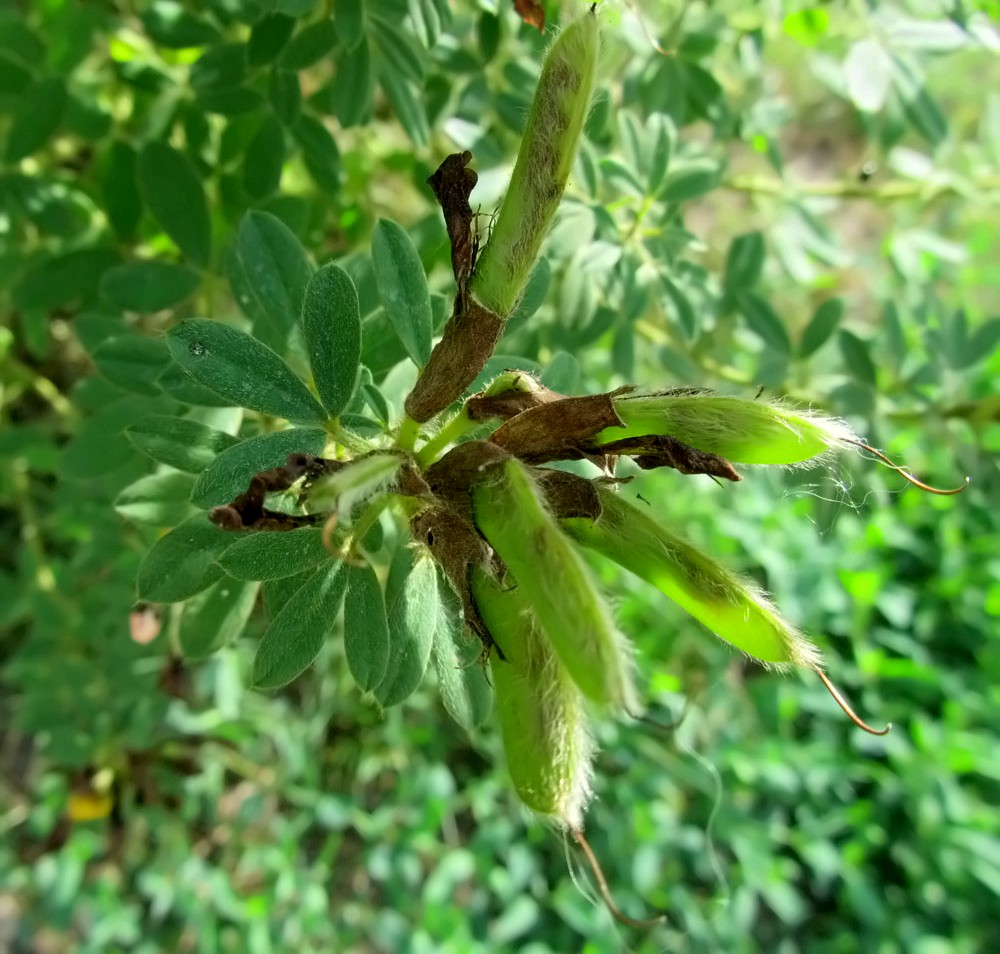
x,y
458,426
886,192
407,435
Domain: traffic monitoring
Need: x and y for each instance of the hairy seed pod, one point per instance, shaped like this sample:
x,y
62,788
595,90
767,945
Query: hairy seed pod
x,y
728,605
511,512
355,482
548,148
745,432
540,708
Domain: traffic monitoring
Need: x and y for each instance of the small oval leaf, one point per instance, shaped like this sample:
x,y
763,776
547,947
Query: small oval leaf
x,y
331,320
298,631
148,286
241,369
216,617
274,556
173,192
458,662
412,609
402,286
274,270
182,563
187,445
132,362
366,631
823,323
158,499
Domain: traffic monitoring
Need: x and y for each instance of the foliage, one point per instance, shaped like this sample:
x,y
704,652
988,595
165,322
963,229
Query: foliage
x,y
805,204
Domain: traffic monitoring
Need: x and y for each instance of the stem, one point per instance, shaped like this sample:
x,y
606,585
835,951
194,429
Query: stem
x,y
449,434
406,437
886,192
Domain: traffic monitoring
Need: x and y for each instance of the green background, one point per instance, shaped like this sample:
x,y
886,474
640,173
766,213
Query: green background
x,y
803,198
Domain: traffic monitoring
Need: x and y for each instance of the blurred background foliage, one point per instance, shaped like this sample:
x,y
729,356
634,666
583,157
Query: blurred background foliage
x,y
800,197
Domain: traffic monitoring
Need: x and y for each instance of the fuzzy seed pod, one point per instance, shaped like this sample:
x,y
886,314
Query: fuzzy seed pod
x,y
548,148
355,482
728,605
510,511
541,711
745,432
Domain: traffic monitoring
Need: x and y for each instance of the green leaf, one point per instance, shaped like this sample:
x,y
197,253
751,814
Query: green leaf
x,y
174,194
406,104
132,362
38,115
266,555
764,321
868,74
310,45
158,499
98,445
268,37
353,87
744,263
331,320
221,67
684,312
350,22
182,563
64,279
278,592
170,25
187,445
319,152
269,265
412,609
298,631
982,342
181,386
690,180
120,188
229,474
148,286
857,356
14,77
366,631
401,55
402,286
265,157
465,689
215,617
242,370
285,96
823,323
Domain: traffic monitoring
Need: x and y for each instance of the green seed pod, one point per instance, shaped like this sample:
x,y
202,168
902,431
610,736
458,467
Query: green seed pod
x,y
511,512
541,711
356,482
548,148
745,432
731,607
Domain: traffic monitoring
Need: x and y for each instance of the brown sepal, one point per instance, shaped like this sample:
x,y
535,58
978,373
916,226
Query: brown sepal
x,y
469,339
569,495
659,450
508,404
532,12
560,430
